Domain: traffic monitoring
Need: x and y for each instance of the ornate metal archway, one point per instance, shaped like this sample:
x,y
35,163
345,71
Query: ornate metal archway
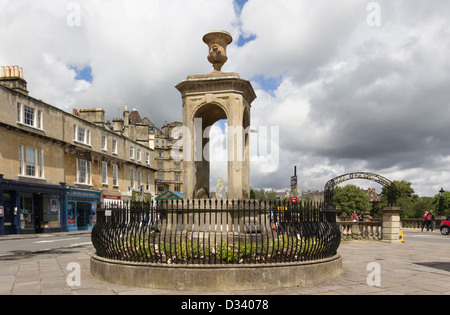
x,y
391,189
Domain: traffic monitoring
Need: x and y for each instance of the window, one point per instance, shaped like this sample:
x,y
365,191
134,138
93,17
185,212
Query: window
x,y
81,135
132,178
160,175
177,187
147,158
19,113
31,162
148,181
114,146
177,177
104,173
160,154
20,160
115,176
139,179
41,164
131,152
104,143
39,120
83,172
138,155
177,165
160,165
156,143
29,116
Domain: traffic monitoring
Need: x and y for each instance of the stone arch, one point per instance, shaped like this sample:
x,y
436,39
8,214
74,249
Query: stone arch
x,y
207,115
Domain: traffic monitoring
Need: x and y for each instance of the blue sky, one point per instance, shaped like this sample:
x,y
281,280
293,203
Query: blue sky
x,y
83,73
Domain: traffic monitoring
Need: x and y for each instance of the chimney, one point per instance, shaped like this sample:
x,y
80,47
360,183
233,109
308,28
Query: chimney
x,y
126,116
93,115
12,77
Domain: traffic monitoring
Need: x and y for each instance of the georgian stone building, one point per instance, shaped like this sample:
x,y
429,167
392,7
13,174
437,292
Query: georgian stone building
x,y
57,167
168,147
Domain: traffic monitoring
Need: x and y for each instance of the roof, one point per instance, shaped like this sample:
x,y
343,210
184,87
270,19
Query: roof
x,y
170,195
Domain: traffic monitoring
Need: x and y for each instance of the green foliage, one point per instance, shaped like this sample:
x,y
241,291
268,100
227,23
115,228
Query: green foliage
x,y
412,205
235,252
435,203
263,195
351,198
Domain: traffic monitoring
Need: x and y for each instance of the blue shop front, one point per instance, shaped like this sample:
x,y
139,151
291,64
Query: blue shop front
x,y
31,207
81,208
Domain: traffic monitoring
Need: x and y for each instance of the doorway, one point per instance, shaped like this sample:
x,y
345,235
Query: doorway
x,y
83,215
9,203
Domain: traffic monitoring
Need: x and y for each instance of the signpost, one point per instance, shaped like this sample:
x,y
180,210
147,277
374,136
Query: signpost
x,y
294,183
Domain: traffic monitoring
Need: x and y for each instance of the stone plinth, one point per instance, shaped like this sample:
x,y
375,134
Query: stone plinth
x,y
391,224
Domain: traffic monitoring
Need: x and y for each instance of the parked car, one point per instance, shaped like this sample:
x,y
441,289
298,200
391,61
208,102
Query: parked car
x,y
445,226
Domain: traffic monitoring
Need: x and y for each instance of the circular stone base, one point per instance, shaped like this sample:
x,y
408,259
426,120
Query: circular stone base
x,y
220,278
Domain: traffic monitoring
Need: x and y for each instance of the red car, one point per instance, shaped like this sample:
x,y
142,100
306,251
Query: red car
x,y
445,226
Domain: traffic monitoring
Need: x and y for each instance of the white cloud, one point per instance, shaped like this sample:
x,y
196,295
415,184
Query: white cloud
x,y
350,97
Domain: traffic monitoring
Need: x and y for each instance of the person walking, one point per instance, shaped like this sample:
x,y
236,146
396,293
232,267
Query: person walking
x,y
354,216
424,222
430,220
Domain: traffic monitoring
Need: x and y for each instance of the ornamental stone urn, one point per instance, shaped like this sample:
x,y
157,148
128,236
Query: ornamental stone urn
x,y
217,42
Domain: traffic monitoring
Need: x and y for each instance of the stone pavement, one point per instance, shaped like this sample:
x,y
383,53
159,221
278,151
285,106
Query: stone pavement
x,y
410,268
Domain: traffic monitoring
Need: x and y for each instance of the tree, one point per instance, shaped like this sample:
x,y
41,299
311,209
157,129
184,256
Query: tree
x,y
351,198
435,203
406,200
262,195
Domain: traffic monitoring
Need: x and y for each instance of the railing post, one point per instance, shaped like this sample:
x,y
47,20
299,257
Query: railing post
x,y
355,230
391,224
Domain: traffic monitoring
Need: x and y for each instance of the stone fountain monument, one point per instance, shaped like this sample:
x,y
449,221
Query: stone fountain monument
x,y
208,98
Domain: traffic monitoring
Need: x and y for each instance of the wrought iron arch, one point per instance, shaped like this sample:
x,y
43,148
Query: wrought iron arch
x,y
391,189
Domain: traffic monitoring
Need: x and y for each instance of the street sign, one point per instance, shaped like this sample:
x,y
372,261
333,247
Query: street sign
x,y
293,199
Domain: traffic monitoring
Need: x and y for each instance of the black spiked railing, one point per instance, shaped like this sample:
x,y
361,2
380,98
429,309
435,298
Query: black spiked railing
x,y
216,232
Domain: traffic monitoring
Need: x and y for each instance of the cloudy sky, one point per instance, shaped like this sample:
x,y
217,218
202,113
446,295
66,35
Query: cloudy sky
x,y
345,86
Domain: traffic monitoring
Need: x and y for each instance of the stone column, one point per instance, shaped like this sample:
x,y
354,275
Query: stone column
x,y
391,224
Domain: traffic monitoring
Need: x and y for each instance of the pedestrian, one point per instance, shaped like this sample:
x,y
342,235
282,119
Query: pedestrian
x,y
424,222
430,220
354,216
361,217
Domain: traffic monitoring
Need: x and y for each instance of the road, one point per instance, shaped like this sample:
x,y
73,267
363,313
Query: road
x,y
434,237
51,245
45,245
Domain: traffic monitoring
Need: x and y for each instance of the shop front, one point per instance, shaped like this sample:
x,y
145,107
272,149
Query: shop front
x,y
81,208
27,208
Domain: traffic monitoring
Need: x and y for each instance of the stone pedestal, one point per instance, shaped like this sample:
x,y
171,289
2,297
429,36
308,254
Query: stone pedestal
x,y
391,224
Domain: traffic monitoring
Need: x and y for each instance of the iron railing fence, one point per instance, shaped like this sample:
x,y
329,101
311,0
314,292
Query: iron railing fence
x,y
216,232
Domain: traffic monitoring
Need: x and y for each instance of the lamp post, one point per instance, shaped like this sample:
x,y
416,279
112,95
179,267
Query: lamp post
x,y
441,203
